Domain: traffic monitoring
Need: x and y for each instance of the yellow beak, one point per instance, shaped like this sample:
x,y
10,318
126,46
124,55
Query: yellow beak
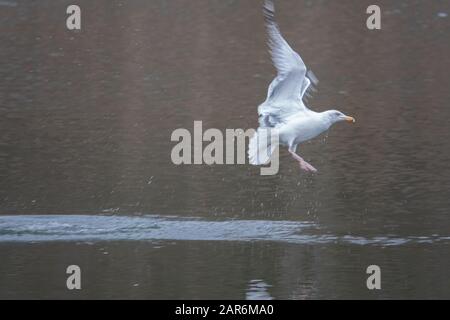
x,y
350,119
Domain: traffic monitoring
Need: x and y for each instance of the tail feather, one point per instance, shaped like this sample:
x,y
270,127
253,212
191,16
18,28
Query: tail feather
x,y
262,145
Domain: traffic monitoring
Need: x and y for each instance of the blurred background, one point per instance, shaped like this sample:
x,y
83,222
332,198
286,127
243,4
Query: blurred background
x,y
85,124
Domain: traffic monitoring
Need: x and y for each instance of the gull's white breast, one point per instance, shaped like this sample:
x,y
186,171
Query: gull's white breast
x,y
302,127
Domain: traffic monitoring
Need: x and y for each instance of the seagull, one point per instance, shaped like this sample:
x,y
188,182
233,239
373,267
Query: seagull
x,y
284,114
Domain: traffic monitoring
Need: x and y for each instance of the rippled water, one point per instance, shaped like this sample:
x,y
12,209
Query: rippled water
x,y
85,125
44,228
98,228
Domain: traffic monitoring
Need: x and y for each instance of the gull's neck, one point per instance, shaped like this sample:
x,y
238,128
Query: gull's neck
x,y
325,118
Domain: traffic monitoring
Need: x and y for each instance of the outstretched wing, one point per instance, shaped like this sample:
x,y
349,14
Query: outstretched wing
x,y
293,81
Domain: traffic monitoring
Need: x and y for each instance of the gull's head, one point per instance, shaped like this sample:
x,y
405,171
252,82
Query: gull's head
x,y
336,116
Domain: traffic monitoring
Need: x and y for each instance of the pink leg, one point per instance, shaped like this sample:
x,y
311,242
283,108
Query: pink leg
x,y
303,164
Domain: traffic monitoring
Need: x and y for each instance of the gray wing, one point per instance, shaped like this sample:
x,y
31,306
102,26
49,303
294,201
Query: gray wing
x,y
293,80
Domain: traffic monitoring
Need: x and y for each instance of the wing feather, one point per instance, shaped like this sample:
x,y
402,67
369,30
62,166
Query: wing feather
x,y
293,80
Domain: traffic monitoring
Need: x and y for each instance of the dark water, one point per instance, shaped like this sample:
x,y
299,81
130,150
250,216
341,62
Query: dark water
x,y
85,125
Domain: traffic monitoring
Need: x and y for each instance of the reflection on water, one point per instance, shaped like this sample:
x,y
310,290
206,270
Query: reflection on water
x,y
85,125
258,290
221,269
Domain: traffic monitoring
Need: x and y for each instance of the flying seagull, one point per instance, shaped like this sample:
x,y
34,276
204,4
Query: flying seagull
x,y
284,111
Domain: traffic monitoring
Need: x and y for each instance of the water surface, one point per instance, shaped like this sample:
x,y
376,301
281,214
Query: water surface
x,y
85,125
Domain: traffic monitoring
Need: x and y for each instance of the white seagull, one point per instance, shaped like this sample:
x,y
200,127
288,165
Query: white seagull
x,y
284,111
